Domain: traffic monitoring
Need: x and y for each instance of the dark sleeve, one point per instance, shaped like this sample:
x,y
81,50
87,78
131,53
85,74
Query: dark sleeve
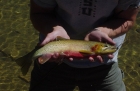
x,y
124,4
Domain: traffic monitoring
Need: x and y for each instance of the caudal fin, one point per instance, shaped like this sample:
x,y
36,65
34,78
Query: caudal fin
x,y
25,61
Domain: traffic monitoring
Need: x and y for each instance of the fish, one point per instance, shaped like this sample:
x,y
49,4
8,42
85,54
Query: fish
x,y
26,61
65,47
73,48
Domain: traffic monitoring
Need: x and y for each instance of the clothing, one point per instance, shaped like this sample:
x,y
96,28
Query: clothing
x,y
79,17
53,77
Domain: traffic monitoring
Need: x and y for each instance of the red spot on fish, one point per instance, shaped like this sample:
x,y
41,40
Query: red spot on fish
x,y
73,54
94,48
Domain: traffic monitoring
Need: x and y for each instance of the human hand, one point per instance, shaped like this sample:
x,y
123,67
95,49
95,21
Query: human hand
x,y
97,35
57,31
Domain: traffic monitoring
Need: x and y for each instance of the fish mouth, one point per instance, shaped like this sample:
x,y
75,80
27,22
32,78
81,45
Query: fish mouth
x,y
109,49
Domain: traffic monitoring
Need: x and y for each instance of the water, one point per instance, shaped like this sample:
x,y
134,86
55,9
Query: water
x,y
18,37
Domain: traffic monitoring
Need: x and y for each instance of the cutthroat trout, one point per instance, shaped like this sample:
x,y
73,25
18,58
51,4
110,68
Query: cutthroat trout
x,y
67,48
73,48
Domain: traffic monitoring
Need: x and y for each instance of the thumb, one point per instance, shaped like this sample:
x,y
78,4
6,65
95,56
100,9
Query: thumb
x,y
87,37
48,38
109,40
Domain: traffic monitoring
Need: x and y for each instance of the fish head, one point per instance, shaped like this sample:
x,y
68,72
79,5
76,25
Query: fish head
x,y
103,48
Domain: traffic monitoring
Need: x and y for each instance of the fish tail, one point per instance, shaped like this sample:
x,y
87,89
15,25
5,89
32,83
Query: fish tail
x,y
25,61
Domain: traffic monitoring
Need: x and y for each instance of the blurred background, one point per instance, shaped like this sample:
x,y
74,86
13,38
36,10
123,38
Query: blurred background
x,y
18,37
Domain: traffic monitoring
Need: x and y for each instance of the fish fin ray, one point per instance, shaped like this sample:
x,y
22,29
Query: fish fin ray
x,y
25,68
86,52
44,58
25,61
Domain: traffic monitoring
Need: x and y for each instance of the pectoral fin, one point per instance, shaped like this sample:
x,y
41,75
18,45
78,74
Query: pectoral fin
x,y
86,52
44,58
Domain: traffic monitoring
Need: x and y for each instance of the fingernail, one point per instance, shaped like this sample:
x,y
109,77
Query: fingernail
x,y
71,59
91,59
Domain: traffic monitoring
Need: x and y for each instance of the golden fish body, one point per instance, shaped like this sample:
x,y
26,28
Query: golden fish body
x,y
75,48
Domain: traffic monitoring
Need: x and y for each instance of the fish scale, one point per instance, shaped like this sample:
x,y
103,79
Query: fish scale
x,y
74,48
63,45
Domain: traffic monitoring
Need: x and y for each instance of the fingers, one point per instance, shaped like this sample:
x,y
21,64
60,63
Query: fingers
x,y
108,40
55,55
110,56
71,59
57,31
87,37
99,36
100,58
48,38
91,59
